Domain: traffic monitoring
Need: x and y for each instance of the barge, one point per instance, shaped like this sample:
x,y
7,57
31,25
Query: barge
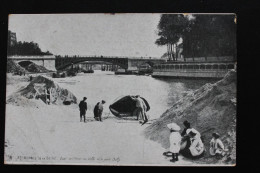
x,y
215,70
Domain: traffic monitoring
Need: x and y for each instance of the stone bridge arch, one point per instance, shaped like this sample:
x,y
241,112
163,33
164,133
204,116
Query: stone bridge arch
x,y
48,61
24,63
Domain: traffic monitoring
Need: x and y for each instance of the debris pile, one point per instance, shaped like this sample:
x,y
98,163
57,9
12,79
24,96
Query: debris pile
x,y
32,67
15,68
37,90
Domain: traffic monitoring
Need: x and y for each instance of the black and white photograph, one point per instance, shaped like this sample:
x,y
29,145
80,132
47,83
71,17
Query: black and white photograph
x,y
121,89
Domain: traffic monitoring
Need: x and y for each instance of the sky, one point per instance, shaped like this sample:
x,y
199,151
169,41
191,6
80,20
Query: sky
x,y
90,34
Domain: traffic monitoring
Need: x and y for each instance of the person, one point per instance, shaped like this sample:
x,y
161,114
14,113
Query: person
x,y
216,146
175,141
186,127
83,108
185,144
144,112
48,95
100,110
96,111
187,139
197,147
140,108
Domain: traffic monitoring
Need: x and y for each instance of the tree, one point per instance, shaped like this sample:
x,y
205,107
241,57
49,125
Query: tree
x,y
210,35
202,35
26,48
171,29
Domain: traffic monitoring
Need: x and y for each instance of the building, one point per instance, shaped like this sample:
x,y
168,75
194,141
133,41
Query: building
x,y
11,38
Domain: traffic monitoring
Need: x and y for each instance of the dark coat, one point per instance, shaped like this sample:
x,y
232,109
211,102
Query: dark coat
x,y
83,106
96,110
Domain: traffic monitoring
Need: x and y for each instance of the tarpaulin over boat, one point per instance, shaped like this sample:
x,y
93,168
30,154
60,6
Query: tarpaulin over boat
x,y
125,106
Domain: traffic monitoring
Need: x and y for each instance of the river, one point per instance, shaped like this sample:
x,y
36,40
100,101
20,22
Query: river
x,y
161,94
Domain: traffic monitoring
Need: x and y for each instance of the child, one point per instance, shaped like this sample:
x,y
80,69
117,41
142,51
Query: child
x,y
175,141
216,146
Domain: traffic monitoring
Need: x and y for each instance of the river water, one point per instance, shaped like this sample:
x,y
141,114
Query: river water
x,y
161,94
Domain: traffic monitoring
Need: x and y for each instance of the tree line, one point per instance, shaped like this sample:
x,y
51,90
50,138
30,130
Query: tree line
x,y
25,48
202,35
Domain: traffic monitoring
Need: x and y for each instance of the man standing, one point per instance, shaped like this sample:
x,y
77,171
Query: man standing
x,y
100,110
140,108
83,108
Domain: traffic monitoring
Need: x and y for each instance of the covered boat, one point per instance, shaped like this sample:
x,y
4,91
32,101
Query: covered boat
x,y
125,106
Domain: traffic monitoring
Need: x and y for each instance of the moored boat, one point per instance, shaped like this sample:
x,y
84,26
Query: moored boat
x,y
215,70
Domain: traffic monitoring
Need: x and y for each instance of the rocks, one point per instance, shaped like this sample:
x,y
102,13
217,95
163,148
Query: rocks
x,y
209,109
15,68
36,90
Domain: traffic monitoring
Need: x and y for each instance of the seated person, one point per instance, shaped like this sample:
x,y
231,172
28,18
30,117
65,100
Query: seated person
x,y
185,137
195,147
216,146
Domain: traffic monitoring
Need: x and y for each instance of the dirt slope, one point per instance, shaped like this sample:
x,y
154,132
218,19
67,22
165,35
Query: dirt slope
x,y
212,108
36,68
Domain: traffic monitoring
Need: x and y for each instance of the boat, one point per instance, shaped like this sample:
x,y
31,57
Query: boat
x,y
58,75
145,70
125,106
88,71
123,73
193,69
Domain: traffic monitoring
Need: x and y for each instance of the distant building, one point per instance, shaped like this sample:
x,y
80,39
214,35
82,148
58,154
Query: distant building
x,y
11,38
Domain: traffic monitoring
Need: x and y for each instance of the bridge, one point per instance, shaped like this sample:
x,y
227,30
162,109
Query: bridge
x,y
128,63
48,61
54,63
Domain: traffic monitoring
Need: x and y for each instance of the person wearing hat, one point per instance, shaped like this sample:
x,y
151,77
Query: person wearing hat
x,y
175,141
83,108
216,146
100,110
196,147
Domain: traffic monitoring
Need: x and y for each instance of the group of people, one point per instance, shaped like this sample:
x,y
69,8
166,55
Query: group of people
x,y
140,111
189,143
98,110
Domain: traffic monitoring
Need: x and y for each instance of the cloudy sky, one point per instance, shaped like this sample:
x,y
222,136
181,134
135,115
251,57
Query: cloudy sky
x,y
90,34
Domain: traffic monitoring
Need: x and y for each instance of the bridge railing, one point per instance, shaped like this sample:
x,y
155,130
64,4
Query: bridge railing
x,y
31,57
119,57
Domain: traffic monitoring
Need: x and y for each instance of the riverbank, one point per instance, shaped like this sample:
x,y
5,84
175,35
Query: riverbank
x,y
211,108
52,134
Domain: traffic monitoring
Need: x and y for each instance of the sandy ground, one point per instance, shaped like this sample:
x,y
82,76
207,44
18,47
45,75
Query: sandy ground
x,y
50,134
